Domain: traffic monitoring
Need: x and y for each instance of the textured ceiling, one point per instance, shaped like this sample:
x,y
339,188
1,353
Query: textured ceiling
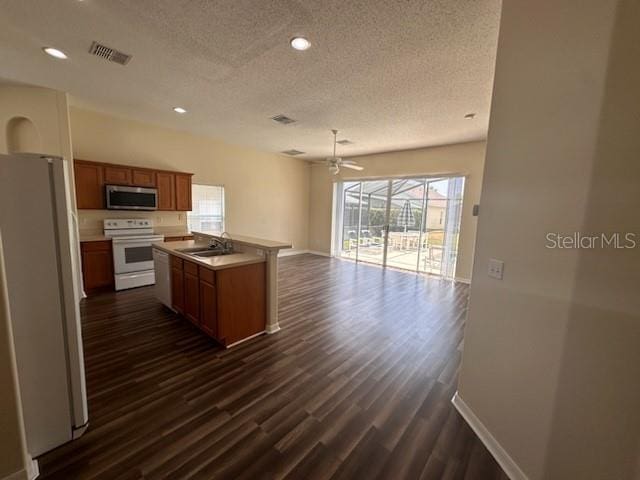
x,y
389,74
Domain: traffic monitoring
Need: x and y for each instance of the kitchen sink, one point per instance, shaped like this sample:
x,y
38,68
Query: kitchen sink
x,y
204,251
211,253
201,248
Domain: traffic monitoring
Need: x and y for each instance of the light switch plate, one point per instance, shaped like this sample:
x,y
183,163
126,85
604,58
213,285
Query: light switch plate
x,y
495,268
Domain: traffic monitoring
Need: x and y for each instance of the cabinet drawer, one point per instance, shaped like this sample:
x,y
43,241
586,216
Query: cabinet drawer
x,y
207,275
188,237
172,239
97,246
176,262
191,268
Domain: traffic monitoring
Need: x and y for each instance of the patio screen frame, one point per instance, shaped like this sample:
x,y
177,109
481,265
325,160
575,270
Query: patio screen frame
x,y
341,186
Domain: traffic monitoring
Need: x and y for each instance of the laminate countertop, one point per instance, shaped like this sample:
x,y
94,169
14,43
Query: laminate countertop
x,y
213,263
248,241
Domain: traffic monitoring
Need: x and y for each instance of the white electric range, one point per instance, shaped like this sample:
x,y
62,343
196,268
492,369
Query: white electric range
x,y
132,253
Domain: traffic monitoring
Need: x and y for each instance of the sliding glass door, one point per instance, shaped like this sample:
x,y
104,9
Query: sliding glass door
x,y
409,223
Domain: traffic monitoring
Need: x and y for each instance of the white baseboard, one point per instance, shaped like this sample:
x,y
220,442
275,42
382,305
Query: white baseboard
x,y
509,466
317,252
463,280
33,470
289,252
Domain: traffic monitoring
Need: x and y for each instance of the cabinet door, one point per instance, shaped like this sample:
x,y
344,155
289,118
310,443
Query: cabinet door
x,y
114,175
97,266
208,306
242,307
191,298
183,193
166,191
89,185
177,289
144,178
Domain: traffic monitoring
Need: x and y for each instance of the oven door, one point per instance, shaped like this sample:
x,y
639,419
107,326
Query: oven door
x,y
133,254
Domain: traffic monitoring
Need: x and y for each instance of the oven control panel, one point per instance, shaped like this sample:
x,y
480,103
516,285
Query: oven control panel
x,y
122,223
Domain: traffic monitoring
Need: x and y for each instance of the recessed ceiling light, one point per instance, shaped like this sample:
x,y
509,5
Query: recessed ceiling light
x,y
179,110
300,43
54,52
470,116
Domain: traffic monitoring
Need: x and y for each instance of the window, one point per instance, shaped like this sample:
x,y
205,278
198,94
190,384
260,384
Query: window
x,y
208,208
410,223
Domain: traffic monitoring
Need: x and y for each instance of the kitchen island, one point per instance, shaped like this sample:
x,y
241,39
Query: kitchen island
x,y
269,249
227,296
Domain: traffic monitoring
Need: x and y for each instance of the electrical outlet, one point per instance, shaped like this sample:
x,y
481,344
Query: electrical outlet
x,y
495,268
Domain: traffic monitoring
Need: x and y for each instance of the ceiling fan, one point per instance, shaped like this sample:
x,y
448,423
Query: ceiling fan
x,y
335,163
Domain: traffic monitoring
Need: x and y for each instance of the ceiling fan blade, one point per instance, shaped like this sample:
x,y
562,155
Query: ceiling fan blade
x,y
352,166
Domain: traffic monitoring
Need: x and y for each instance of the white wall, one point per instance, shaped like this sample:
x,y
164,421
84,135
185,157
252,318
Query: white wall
x,y
552,352
464,159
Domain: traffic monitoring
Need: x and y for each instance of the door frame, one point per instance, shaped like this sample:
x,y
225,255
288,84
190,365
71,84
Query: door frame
x,y
338,214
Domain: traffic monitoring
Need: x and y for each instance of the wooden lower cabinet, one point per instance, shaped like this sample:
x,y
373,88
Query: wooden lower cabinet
x,y
242,302
177,287
191,293
208,309
228,305
97,266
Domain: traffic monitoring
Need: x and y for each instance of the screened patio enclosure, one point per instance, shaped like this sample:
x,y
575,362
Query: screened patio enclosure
x,y
408,223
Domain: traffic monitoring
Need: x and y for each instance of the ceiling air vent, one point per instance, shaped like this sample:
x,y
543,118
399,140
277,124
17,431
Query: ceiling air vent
x,y
345,142
293,151
108,53
283,119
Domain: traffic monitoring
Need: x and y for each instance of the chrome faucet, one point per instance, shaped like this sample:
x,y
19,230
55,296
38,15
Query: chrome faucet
x,y
222,243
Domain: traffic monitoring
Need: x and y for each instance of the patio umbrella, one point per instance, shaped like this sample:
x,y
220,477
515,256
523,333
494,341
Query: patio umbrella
x,y
405,217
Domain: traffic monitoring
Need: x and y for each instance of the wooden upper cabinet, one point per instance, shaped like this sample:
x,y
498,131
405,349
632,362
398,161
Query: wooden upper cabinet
x,y
174,188
89,185
143,178
116,175
166,184
183,192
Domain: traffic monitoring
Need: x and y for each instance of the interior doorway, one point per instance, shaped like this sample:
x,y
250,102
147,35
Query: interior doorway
x,y
407,223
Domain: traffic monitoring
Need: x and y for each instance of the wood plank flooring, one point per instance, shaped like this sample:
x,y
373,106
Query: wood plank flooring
x,y
357,385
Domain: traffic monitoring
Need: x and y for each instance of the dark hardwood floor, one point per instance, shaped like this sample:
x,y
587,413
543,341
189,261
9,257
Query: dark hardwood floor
x,y
356,385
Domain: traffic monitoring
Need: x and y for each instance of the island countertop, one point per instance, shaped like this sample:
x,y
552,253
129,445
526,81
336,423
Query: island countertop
x,y
213,263
248,241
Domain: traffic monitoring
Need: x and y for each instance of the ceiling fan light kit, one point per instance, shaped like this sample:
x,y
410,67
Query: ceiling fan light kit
x,y
334,163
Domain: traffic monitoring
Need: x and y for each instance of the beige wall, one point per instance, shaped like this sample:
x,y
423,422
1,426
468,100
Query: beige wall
x,y
46,110
267,195
466,159
552,352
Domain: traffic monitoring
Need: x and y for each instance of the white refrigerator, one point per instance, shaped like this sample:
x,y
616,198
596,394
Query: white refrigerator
x,y
36,226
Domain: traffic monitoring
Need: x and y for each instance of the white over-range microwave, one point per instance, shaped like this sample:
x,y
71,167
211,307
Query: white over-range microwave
x,y
131,198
